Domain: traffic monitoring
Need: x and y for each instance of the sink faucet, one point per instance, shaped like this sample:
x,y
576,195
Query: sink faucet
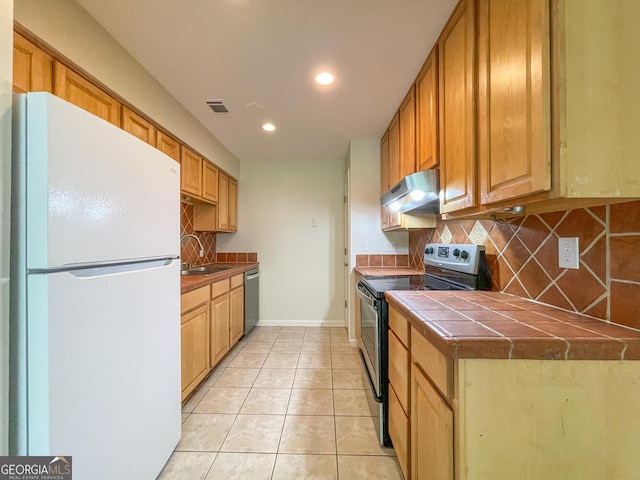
x,y
197,240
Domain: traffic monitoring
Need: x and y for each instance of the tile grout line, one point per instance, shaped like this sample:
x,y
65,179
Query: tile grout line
x,y
261,369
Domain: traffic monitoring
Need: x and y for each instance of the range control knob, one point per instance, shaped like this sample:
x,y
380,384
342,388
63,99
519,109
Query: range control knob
x,y
429,251
464,255
456,252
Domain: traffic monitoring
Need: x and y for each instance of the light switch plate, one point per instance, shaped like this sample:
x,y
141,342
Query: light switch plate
x,y
568,253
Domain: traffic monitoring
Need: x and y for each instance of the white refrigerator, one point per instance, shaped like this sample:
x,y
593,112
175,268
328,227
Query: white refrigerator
x,y
95,342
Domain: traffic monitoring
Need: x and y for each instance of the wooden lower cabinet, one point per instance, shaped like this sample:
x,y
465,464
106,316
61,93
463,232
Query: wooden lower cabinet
x,y
219,327
212,322
502,419
236,307
399,362
399,432
194,339
399,388
431,431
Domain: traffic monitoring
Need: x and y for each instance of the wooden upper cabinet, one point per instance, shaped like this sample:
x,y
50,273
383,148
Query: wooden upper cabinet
x,y
427,114
209,181
457,120
384,164
223,202
81,92
514,102
384,177
32,68
394,151
190,172
408,134
168,145
138,126
233,205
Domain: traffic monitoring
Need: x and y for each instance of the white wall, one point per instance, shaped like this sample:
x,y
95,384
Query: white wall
x,y
68,28
364,213
364,203
301,267
6,81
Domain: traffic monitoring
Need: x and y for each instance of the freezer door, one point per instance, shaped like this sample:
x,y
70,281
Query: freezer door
x,y
104,370
94,192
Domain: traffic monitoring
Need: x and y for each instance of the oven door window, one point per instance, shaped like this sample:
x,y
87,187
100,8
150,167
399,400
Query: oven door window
x,y
370,339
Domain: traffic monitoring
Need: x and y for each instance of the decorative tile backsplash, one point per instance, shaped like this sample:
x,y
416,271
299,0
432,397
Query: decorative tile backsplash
x,y
189,248
237,257
382,260
522,256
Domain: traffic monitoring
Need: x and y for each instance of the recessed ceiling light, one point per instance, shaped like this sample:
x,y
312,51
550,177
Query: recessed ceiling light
x,y
325,78
268,127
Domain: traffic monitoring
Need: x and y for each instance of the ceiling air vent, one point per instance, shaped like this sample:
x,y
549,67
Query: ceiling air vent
x,y
217,106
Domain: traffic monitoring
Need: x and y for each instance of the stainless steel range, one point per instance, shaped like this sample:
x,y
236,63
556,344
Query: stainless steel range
x,y
447,267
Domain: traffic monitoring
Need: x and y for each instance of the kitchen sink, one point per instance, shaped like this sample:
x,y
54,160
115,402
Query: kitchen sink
x,y
204,270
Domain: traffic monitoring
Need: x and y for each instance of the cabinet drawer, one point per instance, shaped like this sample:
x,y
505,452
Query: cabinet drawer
x,y
399,325
399,368
237,280
192,299
219,288
399,432
432,362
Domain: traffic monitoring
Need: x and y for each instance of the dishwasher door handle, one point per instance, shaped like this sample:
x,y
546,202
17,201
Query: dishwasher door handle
x,y
251,277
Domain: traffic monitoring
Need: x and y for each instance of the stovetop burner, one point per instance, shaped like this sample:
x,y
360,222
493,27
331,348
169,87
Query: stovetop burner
x,y
447,267
394,282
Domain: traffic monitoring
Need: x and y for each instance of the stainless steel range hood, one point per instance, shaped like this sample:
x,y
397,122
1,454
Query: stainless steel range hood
x,y
416,193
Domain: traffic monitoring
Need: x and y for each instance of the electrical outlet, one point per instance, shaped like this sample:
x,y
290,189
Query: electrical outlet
x,y
389,246
365,245
568,253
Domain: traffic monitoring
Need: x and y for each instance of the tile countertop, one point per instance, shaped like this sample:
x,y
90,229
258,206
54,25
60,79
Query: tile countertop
x,y
386,271
482,324
191,282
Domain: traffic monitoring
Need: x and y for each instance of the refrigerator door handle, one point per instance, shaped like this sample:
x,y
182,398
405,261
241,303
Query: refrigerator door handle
x,y
107,268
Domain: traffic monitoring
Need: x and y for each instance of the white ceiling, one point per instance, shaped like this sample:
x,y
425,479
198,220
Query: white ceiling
x,y
268,52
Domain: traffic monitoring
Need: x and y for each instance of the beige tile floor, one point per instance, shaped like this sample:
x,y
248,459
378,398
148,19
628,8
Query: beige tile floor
x,y
287,403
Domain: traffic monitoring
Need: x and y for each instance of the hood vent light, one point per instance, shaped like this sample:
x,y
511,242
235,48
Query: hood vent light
x,y
217,106
418,192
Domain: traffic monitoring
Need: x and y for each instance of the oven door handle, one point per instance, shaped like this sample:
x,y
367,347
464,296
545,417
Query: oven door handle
x,y
376,397
366,296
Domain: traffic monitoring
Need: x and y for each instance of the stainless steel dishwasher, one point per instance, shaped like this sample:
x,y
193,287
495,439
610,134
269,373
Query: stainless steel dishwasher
x,y
251,304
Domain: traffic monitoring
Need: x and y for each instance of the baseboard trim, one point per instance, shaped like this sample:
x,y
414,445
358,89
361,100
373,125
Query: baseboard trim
x,y
301,323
